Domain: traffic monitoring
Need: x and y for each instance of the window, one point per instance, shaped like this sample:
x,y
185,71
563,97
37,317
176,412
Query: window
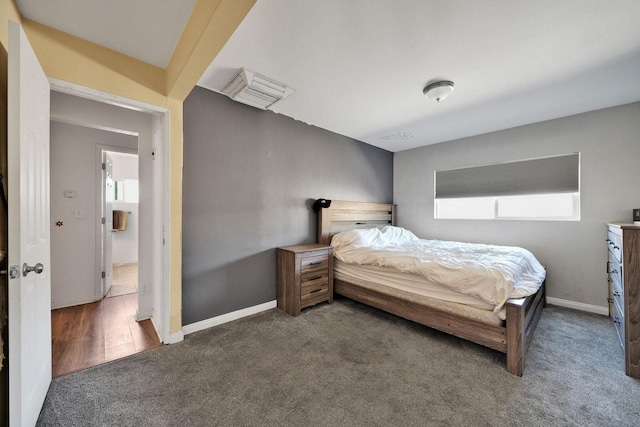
x,y
538,189
126,191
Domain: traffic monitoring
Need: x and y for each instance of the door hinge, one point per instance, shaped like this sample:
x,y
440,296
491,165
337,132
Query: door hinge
x,y
104,220
104,275
609,300
153,154
104,166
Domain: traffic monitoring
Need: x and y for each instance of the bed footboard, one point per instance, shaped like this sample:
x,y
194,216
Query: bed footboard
x,y
522,317
513,339
487,335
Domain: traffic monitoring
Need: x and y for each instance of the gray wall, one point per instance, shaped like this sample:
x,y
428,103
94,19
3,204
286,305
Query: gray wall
x,y
574,252
249,178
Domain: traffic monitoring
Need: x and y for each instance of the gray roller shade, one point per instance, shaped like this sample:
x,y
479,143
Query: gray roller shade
x,y
548,175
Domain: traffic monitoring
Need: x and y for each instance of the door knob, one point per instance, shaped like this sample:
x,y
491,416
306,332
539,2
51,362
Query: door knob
x,y
38,268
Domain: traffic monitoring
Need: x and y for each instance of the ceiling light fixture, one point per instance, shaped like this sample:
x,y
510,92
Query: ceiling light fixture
x,y
438,90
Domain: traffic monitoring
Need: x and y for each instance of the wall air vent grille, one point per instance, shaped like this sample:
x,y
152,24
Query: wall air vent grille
x,y
256,90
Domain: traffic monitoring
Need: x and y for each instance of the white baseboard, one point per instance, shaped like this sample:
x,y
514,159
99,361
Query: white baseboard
x,y
578,306
144,315
234,315
175,338
76,301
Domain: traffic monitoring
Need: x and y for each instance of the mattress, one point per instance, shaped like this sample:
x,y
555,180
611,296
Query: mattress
x,y
415,289
473,275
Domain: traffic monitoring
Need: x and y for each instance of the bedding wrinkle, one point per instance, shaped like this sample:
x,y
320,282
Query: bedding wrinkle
x,y
489,273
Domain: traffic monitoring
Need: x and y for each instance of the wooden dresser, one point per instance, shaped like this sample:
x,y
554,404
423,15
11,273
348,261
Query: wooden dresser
x,y
304,276
623,271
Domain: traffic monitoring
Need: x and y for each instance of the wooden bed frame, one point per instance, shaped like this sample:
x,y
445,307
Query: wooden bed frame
x,y
522,314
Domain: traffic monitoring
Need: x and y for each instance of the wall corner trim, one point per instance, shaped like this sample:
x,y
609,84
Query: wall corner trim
x,y
234,315
143,315
175,338
578,306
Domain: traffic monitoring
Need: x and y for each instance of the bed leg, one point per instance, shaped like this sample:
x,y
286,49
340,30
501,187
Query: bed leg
x,y
515,339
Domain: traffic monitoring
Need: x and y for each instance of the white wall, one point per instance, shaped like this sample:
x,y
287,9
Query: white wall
x,y
73,167
125,243
575,252
77,110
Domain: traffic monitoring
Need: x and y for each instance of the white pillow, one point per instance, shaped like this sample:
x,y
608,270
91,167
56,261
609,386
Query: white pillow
x,y
397,234
361,237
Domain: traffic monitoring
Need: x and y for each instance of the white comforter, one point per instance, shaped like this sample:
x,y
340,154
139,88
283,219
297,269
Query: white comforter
x,y
490,273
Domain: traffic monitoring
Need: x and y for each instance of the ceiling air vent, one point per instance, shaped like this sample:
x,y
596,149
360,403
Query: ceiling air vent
x,y
256,90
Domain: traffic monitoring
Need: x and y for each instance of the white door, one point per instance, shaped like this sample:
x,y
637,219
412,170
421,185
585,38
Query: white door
x,y
107,223
29,251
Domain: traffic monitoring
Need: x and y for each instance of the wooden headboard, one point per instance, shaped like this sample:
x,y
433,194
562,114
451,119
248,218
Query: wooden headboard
x,y
343,216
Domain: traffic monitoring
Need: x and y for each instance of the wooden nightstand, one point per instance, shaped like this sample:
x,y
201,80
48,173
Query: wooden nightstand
x,y
304,276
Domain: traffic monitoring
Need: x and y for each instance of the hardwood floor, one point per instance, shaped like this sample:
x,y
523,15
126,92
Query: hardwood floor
x,y
90,334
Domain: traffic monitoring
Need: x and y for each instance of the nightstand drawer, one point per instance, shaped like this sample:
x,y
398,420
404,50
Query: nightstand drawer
x,y
319,291
314,284
314,263
313,277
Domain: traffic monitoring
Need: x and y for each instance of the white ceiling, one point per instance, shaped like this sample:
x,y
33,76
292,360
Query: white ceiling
x,y
358,67
145,29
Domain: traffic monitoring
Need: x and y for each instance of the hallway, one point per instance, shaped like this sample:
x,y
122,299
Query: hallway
x,y
90,334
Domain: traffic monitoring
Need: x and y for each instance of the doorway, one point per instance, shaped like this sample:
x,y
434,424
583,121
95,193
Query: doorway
x,y
120,208
150,127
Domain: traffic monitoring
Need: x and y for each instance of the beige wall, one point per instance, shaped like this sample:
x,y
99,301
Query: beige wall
x,y
77,61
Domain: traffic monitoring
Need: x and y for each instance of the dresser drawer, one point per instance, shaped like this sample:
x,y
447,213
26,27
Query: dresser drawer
x,y
615,274
614,241
618,297
618,320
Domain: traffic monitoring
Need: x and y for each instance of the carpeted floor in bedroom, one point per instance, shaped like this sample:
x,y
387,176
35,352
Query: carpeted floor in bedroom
x,y
347,364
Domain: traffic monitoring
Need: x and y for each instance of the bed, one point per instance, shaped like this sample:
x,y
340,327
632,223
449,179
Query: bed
x,y
479,325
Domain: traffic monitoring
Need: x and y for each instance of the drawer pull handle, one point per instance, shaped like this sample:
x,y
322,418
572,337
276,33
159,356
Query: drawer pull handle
x,y
608,240
616,293
315,290
315,278
315,263
616,319
614,271
616,247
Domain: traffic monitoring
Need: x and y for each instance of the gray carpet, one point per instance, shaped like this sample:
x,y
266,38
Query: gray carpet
x,y
348,364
